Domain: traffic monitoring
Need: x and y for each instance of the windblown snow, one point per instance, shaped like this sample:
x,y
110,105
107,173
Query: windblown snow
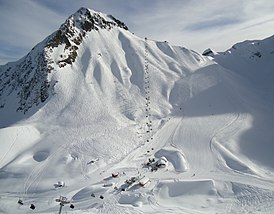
x,y
121,124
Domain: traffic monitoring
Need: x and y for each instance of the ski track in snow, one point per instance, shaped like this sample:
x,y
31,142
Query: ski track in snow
x,y
250,199
32,181
10,148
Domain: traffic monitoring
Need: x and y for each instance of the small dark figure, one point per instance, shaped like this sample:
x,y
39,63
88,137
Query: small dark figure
x,y
71,206
102,197
92,161
92,195
154,168
20,202
32,206
114,175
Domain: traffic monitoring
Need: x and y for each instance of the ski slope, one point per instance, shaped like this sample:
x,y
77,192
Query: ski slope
x,y
126,100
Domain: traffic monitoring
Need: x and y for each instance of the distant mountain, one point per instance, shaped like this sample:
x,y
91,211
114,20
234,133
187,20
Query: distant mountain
x,y
253,61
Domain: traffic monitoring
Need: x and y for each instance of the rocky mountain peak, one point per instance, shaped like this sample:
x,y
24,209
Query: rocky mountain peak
x,y
28,79
75,28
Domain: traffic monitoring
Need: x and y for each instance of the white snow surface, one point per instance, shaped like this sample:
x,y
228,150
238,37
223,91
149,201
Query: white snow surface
x,y
212,119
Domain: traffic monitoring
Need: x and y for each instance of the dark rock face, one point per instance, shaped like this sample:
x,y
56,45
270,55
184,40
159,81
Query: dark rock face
x,y
75,28
118,22
28,80
208,52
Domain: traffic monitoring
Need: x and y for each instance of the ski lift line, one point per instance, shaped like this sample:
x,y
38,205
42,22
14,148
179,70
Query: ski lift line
x,y
147,109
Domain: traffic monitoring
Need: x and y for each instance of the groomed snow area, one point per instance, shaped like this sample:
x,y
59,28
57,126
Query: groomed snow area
x,y
112,114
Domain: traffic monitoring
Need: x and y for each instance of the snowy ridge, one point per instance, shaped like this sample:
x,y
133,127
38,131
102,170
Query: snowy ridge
x,y
115,105
29,78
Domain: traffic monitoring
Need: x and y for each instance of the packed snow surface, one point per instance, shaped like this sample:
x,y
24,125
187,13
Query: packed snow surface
x,y
127,102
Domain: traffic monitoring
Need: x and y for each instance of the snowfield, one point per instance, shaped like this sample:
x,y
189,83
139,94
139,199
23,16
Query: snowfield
x,y
125,103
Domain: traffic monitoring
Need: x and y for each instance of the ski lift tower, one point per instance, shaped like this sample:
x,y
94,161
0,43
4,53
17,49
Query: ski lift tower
x,y
63,200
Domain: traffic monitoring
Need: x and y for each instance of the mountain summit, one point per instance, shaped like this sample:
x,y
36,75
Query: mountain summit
x,y
29,79
75,28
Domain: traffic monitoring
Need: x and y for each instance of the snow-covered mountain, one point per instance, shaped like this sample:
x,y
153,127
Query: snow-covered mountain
x,y
93,99
30,79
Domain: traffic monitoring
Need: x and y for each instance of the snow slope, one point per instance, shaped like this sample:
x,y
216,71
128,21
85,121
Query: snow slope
x,y
123,100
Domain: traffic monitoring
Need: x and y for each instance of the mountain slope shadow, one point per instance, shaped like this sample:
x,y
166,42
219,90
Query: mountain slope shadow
x,y
213,92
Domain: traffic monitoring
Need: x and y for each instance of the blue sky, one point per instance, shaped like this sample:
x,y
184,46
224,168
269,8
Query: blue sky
x,y
195,24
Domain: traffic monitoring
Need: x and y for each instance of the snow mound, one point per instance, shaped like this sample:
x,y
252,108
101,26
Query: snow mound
x,y
177,159
230,160
198,194
180,188
133,199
